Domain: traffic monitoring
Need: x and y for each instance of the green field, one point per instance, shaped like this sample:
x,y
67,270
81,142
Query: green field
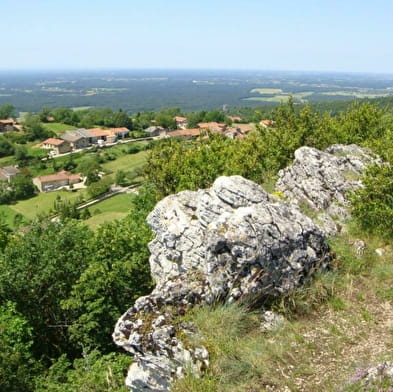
x,y
37,205
58,128
276,98
116,207
127,162
8,214
357,94
266,91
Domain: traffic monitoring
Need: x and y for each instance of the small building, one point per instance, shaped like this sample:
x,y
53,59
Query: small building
x,y
213,126
98,134
78,138
244,128
52,182
181,122
185,133
59,146
121,132
234,133
7,125
156,131
8,172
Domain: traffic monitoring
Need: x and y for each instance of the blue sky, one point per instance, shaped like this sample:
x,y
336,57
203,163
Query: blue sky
x,y
320,35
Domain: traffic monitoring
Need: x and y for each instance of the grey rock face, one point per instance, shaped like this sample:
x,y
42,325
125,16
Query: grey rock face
x,y
229,242
320,180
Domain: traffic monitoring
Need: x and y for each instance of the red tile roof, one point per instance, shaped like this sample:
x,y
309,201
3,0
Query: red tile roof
x,y
245,128
185,132
212,125
53,142
119,130
180,119
63,175
98,132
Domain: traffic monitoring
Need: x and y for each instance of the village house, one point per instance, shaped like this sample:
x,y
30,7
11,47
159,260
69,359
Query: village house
x,y
213,126
78,138
8,172
185,133
244,128
155,130
181,122
234,133
59,146
121,132
55,181
7,125
98,135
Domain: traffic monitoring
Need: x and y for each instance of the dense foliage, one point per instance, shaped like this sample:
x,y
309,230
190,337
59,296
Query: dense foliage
x,y
63,286
175,165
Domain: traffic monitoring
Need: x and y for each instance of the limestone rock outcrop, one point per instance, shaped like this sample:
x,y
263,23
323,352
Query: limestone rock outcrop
x,y
229,242
320,181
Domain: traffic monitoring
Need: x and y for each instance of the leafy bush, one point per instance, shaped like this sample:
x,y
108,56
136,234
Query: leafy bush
x,y
92,373
372,205
99,187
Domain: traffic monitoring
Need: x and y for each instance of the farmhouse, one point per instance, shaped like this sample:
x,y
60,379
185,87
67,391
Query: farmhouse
x,y
59,146
54,181
98,134
8,172
77,139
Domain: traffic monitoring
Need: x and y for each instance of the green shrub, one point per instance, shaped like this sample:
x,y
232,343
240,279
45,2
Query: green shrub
x,y
372,205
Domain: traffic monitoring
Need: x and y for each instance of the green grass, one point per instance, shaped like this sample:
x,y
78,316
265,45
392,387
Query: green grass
x,y
57,128
116,207
127,162
43,202
8,214
336,325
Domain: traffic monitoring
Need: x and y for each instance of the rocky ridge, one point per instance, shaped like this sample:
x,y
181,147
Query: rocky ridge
x,y
231,242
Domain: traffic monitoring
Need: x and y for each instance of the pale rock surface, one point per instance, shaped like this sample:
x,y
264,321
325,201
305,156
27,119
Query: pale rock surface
x,y
320,180
229,242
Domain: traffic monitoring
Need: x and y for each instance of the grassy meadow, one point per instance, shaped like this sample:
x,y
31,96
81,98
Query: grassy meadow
x,y
116,207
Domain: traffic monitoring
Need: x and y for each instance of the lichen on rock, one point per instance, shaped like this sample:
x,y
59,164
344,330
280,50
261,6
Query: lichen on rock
x,y
229,242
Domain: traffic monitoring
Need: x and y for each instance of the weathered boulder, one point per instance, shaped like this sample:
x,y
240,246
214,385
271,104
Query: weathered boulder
x,y
229,242
320,180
